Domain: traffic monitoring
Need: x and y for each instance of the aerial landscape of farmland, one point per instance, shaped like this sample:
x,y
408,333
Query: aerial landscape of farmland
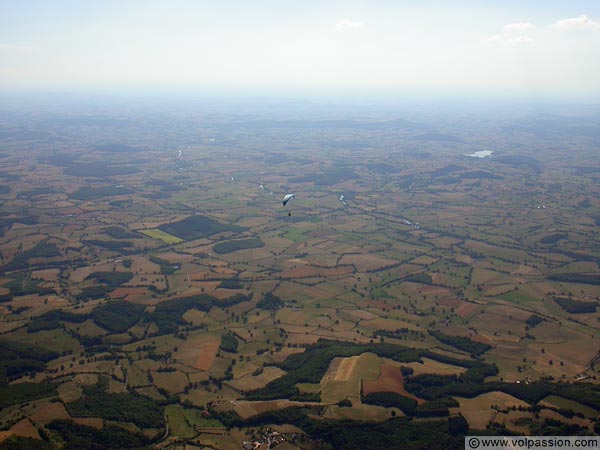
x,y
154,287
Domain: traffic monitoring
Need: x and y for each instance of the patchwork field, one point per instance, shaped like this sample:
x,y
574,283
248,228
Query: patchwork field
x,y
151,277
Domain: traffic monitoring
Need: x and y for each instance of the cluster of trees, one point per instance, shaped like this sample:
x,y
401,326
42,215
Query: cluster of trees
x,y
229,343
5,225
423,278
94,193
109,281
168,315
122,406
534,320
461,343
52,319
117,316
121,233
17,359
409,406
399,333
198,227
553,427
22,284
270,301
80,437
166,268
553,238
584,278
93,292
12,394
109,245
23,443
42,249
232,283
575,307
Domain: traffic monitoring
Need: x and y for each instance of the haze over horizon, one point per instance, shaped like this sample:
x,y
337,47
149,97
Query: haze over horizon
x,y
497,49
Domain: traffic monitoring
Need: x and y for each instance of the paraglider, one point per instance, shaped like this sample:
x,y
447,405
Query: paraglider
x,y
286,199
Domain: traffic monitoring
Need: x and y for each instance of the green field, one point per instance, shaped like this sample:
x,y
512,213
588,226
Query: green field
x,y
295,234
56,340
380,292
178,422
155,233
576,407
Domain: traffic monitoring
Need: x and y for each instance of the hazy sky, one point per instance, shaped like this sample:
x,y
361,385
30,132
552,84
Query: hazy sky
x,y
496,47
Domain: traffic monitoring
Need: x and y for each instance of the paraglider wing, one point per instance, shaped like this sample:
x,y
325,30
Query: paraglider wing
x,y
287,198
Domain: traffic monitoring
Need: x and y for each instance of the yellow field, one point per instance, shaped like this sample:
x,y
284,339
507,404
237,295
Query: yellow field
x,y
435,367
155,233
478,411
346,380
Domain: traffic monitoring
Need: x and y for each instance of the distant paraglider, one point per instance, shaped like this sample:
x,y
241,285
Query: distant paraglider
x,y
286,199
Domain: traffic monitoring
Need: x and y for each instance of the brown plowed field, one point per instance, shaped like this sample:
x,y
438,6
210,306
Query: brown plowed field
x,y
345,369
390,380
300,272
126,291
206,358
448,301
94,422
466,309
23,428
50,412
